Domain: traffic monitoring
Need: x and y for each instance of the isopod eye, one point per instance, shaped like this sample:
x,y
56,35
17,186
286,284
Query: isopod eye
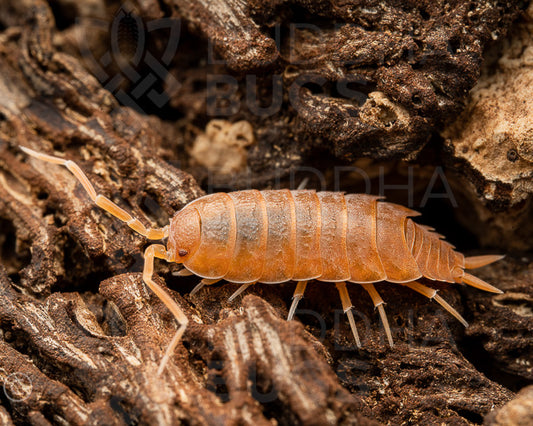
x,y
183,252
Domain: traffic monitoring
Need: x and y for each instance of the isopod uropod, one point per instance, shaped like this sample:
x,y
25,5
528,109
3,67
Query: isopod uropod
x,y
275,236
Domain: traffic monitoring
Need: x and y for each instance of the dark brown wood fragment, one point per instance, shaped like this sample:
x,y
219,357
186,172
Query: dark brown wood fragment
x,y
363,78
429,376
502,330
258,357
51,102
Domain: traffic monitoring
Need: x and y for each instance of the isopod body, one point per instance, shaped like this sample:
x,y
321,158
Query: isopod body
x,y
281,235
276,236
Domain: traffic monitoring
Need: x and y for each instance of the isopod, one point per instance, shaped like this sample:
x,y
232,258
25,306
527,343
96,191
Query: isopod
x,y
274,236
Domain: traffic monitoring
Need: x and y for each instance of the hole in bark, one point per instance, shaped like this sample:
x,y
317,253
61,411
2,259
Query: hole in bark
x,y
512,155
424,14
65,13
5,401
512,334
471,416
123,410
474,18
387,116
78,268
13,255
472,349
354,90
114,178
454,44
315,88
216,382
264,392
305,21
199,85
59,218
419,43
521,304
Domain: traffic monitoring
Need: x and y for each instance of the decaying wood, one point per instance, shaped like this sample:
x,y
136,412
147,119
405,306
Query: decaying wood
x,y
101,364
492,142
50,102
80,335
354,78
378,77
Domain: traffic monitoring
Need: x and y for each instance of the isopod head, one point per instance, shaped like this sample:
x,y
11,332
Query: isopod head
x,y
184,235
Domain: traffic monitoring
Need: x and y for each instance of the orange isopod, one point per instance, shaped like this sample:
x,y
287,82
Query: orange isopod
x,y
275,236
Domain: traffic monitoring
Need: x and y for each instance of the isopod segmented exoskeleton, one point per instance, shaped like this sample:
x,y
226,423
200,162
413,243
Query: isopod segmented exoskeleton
x,y
275,236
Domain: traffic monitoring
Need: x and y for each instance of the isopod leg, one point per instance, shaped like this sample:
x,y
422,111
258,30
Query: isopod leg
x,y
159,251
431,293
239,291
201,284
297,296
378,303
347,308
101,201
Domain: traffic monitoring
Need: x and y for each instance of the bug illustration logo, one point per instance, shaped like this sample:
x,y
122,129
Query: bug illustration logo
x,y
121,54
17,387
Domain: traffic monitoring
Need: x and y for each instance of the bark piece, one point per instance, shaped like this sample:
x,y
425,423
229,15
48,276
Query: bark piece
x,y
491,144
230,371
503,324
373,79
51,103
426,378
493,137
370,79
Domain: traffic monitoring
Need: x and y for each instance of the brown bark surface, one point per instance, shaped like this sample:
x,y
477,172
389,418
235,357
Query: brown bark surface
x,y
81,336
